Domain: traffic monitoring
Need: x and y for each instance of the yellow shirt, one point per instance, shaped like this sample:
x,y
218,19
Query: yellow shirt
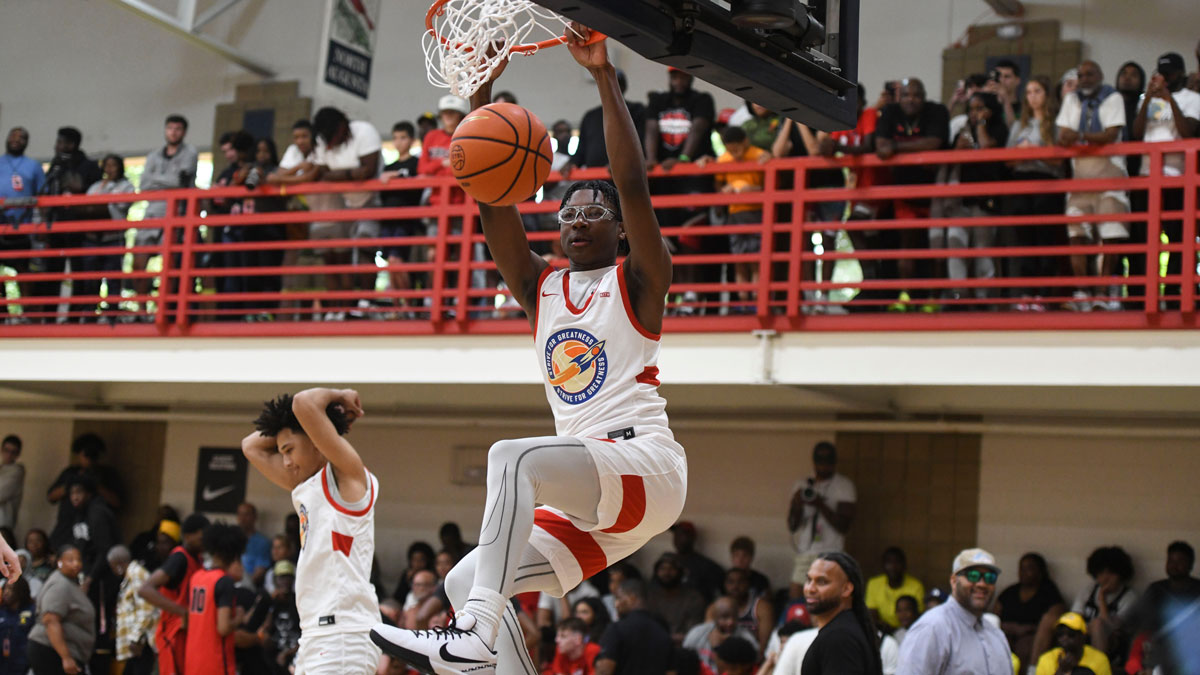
x,y
1092,658
742,179
881,597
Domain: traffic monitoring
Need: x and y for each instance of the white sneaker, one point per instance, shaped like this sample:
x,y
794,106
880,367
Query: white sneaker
x,y
439,651
1081,302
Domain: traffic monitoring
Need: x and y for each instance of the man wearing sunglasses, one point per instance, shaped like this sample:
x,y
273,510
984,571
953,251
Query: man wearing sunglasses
x,y
953,637
613,476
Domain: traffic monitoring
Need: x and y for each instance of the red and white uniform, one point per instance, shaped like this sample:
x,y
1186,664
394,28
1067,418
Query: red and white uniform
x,y
601,376
334,597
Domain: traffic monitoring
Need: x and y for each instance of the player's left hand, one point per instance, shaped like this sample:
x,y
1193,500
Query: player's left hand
x,y
351,403
10,565
587,54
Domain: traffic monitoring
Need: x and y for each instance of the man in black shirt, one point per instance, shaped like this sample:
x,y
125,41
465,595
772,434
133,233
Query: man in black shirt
x,y
405,166
591,151
846,643
638,643
699,571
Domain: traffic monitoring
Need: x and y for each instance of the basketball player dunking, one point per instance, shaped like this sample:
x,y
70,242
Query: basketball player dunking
x,y
299,447
614,476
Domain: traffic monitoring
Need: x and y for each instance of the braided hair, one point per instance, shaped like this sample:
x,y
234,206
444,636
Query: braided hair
x,y
858,605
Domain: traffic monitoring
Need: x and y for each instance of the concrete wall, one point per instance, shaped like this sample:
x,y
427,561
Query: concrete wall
x,y
116,75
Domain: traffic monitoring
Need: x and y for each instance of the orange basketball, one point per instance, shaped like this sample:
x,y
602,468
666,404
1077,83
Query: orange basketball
x,y
500,154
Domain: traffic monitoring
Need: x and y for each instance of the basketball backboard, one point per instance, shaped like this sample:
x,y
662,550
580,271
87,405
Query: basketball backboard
x,y
806,69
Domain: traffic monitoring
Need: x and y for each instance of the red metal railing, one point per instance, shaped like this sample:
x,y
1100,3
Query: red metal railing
x,y
459,294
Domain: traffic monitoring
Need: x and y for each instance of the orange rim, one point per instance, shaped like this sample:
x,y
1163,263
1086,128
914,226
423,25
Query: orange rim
x,y
436,10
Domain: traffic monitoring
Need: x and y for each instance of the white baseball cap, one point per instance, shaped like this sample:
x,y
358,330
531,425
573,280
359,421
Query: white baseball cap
x,y
455,103
974,557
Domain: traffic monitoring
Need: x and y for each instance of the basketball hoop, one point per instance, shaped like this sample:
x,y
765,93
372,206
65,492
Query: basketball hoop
x,y
460,33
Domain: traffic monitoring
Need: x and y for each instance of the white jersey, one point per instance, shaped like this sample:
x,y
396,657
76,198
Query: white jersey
x,y
337,543
599,363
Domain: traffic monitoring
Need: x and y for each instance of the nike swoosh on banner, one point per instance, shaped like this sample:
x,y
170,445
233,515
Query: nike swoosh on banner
x,y
447,656
209,494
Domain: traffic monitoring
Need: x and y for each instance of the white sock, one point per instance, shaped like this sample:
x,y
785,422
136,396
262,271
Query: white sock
x,y
485,606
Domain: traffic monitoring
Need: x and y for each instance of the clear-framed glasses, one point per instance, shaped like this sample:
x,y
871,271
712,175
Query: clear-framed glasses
x,y
570,214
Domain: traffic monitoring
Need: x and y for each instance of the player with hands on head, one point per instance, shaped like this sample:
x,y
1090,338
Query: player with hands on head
x,y
614,476
300,445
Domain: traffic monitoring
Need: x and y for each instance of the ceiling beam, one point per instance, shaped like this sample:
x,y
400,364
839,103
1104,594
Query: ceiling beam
x,y
184,23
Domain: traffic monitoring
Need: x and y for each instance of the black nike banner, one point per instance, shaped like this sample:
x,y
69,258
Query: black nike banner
x,y
220,480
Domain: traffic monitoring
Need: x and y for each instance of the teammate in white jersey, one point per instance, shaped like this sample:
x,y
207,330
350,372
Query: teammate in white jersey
x,y
614,476
299,446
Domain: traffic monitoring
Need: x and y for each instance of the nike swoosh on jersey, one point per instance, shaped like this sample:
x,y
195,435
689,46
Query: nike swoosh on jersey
x,y
547,295
450,658
209,494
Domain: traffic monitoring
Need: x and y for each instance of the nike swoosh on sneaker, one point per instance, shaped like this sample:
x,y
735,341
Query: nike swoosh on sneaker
x,y
451,658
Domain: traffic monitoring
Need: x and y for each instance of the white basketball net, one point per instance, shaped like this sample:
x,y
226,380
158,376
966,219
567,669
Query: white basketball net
x,y
459,61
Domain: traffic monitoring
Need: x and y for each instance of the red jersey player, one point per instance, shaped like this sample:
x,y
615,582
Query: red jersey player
x,y
213,614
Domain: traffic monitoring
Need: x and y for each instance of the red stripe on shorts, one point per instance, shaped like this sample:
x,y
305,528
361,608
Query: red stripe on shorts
x,y
633,504
587,552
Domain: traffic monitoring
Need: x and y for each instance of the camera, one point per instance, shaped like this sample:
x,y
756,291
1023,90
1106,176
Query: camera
x,y
253,179
808,494
995,75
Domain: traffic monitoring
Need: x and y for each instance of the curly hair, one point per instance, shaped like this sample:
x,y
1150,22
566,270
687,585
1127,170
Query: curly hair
x,y
277,415
1112,559
225,542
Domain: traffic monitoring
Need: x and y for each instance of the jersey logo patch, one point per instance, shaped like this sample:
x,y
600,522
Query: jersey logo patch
x,y
303,513
576,365
342,542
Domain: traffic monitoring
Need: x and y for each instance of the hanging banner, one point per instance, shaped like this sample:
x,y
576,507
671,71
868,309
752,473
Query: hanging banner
x,y
220,480
352,34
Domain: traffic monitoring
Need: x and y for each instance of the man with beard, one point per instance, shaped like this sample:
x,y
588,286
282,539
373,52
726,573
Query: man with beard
x,y
1072,655
705,638
680,605
953,637
846,643
20,176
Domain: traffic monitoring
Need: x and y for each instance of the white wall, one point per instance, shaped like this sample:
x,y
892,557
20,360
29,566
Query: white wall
x,y
116,75
46,449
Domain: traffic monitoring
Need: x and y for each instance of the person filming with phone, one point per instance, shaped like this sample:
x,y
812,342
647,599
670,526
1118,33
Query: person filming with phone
x,y
820,513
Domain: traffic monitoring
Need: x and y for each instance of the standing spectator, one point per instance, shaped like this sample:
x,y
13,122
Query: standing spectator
x,y
884,590
762,127
1072,655
1029,607
266,161
912,125
934,597
145,543
821,511
94,527
257,558
41,558
553,191
1035,129
754,612
17,617
573,654
680,605
953,637
591,152
86,451
426,122
405,166
1094,115
171,167
1110,604
741,556
1168,111
296,167
136,618
699,571
212,610
62,640
420,557
1005,84
435,161
103,590
1131,83
739,149
20,177
967,88
167,590
113,182
637,644
12,480
847,643
350,151
240,149
723,624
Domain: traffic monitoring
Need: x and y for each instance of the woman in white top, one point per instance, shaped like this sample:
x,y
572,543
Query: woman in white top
x,y
113,182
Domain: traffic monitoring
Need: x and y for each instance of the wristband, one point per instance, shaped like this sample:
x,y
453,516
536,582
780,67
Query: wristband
x,y
684,158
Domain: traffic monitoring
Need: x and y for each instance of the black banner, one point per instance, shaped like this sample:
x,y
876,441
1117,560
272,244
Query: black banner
x,y
348,69
220,480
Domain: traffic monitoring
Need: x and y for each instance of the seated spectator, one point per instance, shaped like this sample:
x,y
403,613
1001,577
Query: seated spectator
x,y
667,596
883,590
705,638
741,556
803,634
551,610
135,617
426,600
796,613
617,573
700,571
1164,610
735,656
753,610
1094,115
86,452
103,590
405,166
1168,111
1034,129
505,97
1109,605
282,627
1072,654
281,549
738,149
420,557
41,559
1028,607
65,632
26,562
450,535
253,606
12,480
594,615
934,597
257,558
908,610
291,529
17,617
573,654
912,125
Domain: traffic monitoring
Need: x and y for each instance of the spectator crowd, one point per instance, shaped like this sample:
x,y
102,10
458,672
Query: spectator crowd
x,y
92,600
1002,108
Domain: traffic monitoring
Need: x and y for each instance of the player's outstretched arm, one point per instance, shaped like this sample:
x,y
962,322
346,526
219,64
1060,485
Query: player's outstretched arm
x,y
261,451
10,565
505,233
309,407
648,267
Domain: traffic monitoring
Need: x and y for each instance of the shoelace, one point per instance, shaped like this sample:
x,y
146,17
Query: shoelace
x,y
447,633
